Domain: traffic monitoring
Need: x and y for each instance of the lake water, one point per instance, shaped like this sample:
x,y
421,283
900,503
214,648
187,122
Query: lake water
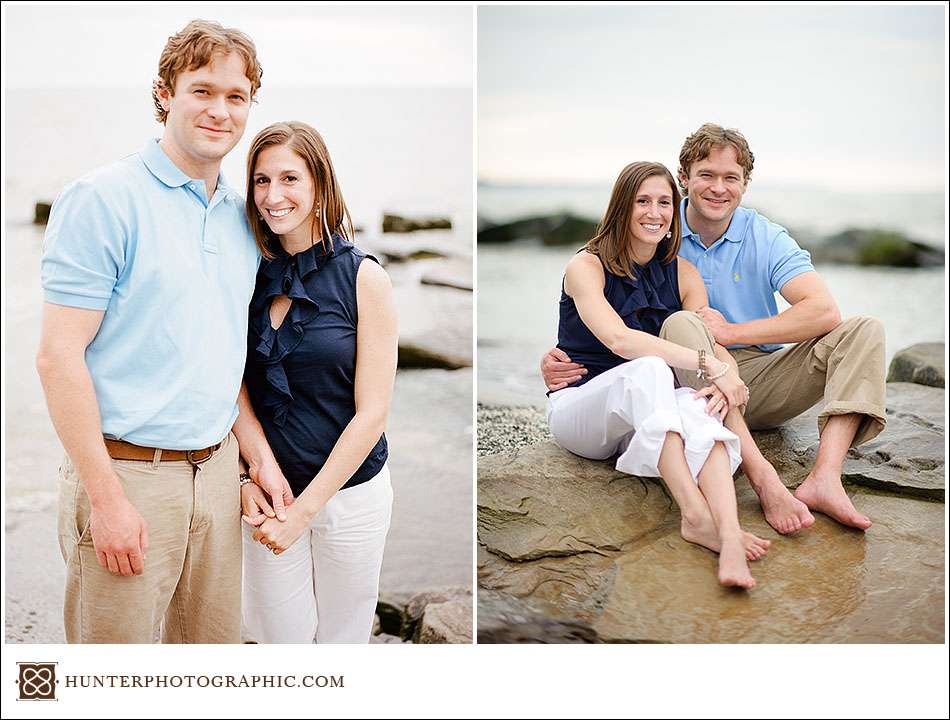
x,y
519,287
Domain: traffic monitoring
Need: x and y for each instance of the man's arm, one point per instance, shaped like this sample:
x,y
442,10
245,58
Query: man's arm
x,y
813,313
261,464
119,532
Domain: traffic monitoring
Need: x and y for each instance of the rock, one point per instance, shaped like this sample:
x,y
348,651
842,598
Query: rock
x,y
559,229
435,327
923,363
446,622
41,212
571,547
451,273
863,246
384,639
503,618
399,224
391,610
544,502
906,459
417,605
406,247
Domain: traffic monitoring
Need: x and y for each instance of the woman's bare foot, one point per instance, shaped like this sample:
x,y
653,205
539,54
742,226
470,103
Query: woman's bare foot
x,y
783,511
827,495
701,530
733,571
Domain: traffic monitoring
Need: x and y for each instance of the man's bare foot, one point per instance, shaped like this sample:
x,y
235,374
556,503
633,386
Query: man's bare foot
x,y
733,571
783,511
826,495
702,531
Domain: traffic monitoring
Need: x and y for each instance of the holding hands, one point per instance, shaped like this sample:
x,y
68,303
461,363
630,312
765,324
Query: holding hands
x,y
278,520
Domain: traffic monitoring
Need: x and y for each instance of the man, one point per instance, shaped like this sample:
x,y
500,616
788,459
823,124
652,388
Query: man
x,y
744,259
147,273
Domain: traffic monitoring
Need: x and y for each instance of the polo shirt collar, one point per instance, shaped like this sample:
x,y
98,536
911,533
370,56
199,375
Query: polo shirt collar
x,y
162,167
733,233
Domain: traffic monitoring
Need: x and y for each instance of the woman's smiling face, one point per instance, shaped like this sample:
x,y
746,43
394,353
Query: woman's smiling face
x,y
652,210
284,190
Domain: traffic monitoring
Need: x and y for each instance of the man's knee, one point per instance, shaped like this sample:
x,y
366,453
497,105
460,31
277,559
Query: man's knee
x,y
687,329
865,333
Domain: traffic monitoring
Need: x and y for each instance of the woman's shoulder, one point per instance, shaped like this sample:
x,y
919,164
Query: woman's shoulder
x,y
584,270
584,261
685,270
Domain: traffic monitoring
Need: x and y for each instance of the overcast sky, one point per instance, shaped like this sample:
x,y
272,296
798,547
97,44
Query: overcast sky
x,y
848,98
119,44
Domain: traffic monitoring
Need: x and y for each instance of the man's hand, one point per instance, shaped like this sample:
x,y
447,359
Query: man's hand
x,y
272,481
720,328
254,506
278,536
559,371
120,537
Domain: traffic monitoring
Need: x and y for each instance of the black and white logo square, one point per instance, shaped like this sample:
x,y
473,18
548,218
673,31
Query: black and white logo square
x,y
37,681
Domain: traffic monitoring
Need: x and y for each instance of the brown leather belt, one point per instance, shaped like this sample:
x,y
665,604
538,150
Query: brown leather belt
x,y
121,450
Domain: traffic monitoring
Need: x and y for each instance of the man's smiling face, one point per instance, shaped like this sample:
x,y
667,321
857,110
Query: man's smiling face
x,y
208,111
716,184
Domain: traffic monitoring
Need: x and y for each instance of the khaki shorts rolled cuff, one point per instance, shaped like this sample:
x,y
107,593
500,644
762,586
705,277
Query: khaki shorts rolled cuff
x,y
872,424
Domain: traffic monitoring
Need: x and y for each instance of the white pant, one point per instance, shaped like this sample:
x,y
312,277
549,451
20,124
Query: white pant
x,y
628,410
324,587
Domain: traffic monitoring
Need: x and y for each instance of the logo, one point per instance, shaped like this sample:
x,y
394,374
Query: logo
x,y
37,681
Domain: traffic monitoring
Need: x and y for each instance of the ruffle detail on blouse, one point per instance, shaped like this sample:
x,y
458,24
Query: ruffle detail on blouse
x,y
643,299
285,275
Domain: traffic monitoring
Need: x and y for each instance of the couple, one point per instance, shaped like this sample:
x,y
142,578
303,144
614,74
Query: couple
x,y
159,282
688,283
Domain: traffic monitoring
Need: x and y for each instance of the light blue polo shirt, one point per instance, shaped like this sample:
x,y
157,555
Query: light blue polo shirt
x,y
744,268
174,274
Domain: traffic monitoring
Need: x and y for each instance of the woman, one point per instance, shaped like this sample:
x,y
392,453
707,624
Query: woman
x,y
617,293
320,367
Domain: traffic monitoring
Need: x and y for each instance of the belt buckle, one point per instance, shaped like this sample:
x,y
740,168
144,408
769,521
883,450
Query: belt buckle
x,y
189,455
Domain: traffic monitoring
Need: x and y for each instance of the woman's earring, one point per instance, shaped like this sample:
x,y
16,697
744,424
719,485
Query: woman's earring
x,y
669,234
316,210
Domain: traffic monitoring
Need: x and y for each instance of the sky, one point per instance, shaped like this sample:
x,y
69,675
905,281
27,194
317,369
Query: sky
x,y
45,45
847,98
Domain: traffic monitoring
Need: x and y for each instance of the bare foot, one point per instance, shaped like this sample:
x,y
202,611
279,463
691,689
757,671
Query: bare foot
x,y
783,511
702,531
733,571
828,496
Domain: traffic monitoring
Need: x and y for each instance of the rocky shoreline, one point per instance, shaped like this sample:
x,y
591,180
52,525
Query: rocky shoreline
x,y
571,550
853,246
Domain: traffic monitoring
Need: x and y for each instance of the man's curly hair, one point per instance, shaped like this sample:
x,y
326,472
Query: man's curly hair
x,y
194,47
698,146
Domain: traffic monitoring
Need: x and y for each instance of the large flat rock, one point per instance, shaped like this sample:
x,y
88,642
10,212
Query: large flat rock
x,y
576,550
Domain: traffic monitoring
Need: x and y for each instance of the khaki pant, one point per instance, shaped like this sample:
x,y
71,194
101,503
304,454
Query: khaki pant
x,y
844,367
190,590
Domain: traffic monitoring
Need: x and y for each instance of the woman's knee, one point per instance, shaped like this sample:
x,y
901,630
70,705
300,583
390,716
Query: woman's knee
x,y
651,366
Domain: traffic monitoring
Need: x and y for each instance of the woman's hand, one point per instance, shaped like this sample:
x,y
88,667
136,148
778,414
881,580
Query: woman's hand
x,y
730,384
717,405
272,481
277,535
254,506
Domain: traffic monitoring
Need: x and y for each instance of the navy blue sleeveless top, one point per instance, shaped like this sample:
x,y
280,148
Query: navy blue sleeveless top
x,y
301,377
643,304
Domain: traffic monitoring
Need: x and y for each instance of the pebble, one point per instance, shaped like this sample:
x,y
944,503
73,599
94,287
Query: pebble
x,y
505,429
